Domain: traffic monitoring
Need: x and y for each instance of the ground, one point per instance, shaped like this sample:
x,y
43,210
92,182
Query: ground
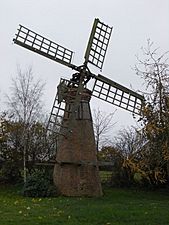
x,y
116,207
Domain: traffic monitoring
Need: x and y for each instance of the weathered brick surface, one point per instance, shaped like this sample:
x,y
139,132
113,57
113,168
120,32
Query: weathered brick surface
x,y
76,172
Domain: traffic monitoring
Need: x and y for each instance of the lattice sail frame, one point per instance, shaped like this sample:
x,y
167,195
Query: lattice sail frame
x,y
117,94
59,108
43,46
98,43
57,112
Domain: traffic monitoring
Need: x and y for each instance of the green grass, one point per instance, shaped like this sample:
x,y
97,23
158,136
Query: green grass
x,y
116,207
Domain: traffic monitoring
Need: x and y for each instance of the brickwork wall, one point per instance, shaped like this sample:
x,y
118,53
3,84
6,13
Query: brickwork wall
x,y
76,172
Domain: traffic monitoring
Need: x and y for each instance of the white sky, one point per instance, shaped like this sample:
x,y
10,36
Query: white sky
x,y
69,23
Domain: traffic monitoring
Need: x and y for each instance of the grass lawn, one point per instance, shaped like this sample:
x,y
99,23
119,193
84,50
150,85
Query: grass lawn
x,y
116,207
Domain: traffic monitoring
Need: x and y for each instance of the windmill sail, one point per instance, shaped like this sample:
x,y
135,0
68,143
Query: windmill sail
x,y
117,94
67,104
98,43
43,46
58,108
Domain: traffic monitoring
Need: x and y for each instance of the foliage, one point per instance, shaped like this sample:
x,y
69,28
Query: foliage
x,y
39,145
10,173
108,154
145,152
23,137
10,145
114,155
154,69
131,170
132,161
26,106
116,207
39,184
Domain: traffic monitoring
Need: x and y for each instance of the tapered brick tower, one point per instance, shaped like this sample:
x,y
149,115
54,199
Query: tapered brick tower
x,y
76,171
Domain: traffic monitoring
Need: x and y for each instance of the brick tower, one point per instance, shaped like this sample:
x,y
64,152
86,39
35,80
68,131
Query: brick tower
x,y
76,171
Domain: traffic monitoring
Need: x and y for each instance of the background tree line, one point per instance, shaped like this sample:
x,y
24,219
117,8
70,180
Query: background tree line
x,y
141,154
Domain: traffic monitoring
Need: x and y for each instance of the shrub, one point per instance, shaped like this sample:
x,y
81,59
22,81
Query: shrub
x,y
40,184
10,173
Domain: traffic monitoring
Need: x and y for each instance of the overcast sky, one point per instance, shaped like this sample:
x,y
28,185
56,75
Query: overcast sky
x,y
69,23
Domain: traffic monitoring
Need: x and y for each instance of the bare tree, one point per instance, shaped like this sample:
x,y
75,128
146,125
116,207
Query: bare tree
x,y
25,104
128,142
25,99
102,125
